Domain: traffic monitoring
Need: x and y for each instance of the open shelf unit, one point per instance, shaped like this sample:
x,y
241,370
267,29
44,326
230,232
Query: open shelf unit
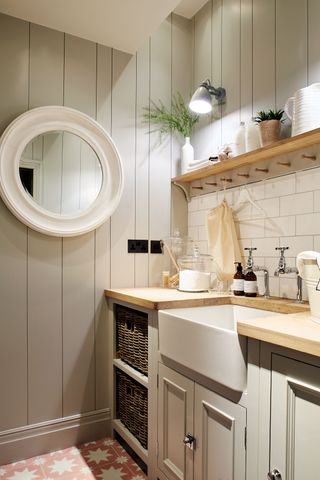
x,y
288,155
131,440
132,372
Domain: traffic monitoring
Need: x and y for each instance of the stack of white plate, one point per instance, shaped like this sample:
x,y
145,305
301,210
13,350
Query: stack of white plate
x,y
306,109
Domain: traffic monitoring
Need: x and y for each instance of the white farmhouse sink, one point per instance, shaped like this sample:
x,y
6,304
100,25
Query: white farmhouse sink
x,y
205,340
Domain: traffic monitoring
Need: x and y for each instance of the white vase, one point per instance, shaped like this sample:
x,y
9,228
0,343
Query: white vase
x,y
187,155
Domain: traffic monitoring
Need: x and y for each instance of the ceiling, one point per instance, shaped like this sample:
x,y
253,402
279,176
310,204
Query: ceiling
x,y
121,24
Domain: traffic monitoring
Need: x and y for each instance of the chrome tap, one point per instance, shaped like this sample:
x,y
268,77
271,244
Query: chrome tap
x,y
256,268
282,269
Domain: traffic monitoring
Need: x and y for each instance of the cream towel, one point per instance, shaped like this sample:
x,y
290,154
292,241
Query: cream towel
x,y
222,240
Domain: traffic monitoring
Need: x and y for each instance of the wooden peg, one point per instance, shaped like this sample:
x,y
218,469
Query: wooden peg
x,y
263,170
245,175
198,188
228,180
214,184
284,164
309,157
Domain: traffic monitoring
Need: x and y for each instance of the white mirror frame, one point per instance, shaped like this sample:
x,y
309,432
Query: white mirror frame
x,y
52,118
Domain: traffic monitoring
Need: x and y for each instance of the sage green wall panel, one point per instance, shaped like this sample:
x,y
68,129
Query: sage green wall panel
x,y
123,133
142,167
46,66
44,327
14,60
313,41
160,156
80,75
14,321
78,324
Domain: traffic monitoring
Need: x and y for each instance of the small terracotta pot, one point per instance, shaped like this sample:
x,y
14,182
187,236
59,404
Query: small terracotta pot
x,y
269,131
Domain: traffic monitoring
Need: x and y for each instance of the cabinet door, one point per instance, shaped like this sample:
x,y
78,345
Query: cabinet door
x,y
220,437
175,420
295,419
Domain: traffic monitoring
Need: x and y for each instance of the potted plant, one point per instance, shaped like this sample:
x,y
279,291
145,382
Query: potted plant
x,y
176,118
270,125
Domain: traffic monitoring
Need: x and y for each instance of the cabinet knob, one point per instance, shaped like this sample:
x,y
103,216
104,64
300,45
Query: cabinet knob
x,y
274,475
189,441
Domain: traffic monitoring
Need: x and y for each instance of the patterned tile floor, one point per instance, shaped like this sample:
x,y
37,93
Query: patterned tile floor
x,y
103,460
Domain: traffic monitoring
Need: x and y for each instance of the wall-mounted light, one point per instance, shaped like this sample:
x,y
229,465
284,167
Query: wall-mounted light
x,y
201,99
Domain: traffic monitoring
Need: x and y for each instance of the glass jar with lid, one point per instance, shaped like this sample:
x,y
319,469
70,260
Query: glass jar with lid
x,y
196,272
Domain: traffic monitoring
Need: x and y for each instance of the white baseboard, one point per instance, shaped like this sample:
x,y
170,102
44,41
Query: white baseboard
x,y
39,438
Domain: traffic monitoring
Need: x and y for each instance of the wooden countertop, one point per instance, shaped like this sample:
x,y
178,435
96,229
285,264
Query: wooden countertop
x,y
162,298
297,330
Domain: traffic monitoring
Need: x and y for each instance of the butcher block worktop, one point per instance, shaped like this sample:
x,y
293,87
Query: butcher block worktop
x,y
297,330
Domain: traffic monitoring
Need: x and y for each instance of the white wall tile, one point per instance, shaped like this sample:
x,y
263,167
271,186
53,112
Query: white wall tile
x,y
208,201
194,204
308,180
288,287
203,235
193,233
225,195
270,206
316,200
280,227
266,246
277,187
252,229
297,244
316,243
296,204
274,285
308,224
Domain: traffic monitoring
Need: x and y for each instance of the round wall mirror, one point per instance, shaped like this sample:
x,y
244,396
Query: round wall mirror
x,y
60,172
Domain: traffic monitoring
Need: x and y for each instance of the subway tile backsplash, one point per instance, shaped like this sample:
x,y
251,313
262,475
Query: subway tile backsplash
x,y
292,218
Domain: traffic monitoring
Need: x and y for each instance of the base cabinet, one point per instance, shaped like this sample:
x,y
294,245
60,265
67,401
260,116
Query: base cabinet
x,y
217,425
295,419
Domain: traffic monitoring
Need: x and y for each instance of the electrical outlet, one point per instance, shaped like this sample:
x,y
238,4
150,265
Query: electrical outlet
x,y
137,246
155,246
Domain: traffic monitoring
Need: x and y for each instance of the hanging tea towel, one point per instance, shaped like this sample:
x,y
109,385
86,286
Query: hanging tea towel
x,y
222,240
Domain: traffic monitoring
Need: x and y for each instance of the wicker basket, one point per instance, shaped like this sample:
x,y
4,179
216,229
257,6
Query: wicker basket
x,y
132,406
132,337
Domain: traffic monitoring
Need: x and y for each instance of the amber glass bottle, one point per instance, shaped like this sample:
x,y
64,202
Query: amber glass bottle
x,y
238,281
250,283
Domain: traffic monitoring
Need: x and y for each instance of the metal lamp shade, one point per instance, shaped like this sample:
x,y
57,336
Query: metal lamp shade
x,y
201,101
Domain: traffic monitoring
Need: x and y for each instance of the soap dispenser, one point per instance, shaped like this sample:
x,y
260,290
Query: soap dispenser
x,y
238,280
250,283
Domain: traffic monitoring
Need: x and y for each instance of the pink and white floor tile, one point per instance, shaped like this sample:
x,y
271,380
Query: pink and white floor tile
x,y
104,459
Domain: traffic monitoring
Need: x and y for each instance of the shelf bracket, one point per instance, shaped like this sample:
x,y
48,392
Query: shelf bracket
x,y
185,188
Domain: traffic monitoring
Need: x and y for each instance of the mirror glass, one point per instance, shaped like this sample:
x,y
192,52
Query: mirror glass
x,y
61,172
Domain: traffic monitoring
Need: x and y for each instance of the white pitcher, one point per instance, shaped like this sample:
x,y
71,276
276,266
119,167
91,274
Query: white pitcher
x,y
303,109
308,268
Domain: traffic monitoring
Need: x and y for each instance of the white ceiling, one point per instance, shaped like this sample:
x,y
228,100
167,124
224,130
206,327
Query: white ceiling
x,y
121,24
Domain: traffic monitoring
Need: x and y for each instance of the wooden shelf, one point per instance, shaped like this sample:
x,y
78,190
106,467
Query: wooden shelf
x,y
130,440
283,147
132,372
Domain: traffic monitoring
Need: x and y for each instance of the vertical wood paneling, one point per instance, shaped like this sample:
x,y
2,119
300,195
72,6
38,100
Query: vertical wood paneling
x,y
123,122
313,41
291,36
181,74
13,337
202,139
246,61
45,253
160,158
216,72
141,261
231,68
14,52
14,41
263,55
102,238
78,252
80,75
78,325
44,327
46,66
